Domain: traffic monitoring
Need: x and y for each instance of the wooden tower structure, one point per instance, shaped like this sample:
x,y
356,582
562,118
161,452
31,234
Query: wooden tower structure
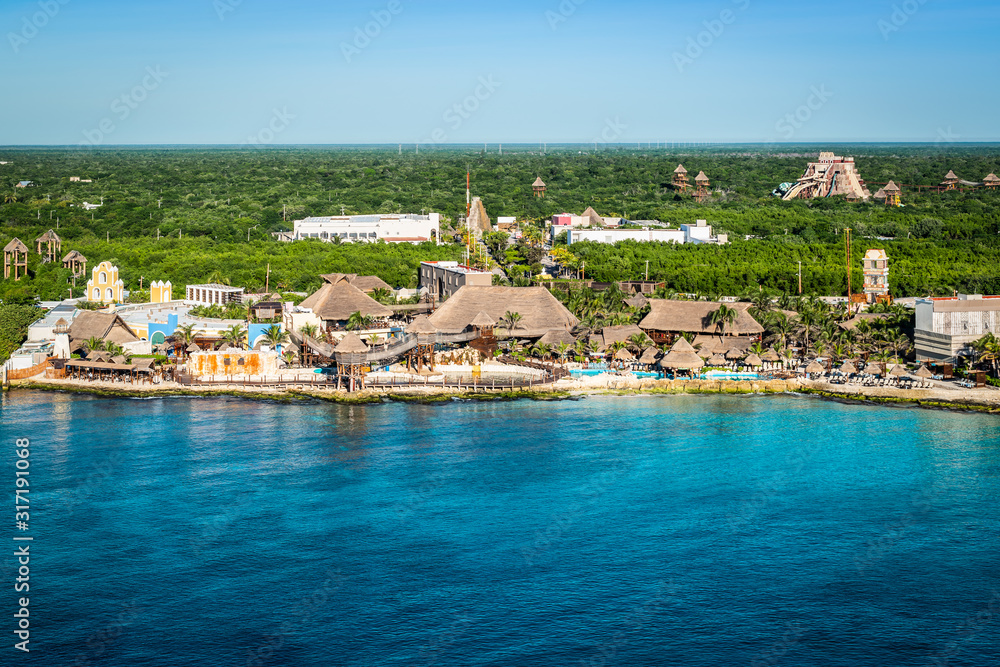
x,y
486,340
15,259
351,355
950,181
426,334
892,194
538,187
701,190
75,262
681,178
991,182
52,243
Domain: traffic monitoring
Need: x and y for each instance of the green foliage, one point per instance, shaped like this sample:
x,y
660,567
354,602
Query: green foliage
x,y
14,322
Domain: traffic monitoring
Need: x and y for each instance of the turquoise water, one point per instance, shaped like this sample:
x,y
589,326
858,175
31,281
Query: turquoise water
x,y
666,530
590,372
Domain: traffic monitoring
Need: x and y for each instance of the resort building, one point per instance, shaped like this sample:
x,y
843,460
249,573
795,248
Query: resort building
x,y
876,271
105,286
161,292
537,311
15,259
442,279
698,233
831,175
108,327
402,228
213,294
945,326
75,262
332,305
667,319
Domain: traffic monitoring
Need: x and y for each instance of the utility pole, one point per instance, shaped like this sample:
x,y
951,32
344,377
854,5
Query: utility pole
x,y
267,279
800,278
647,270
847,243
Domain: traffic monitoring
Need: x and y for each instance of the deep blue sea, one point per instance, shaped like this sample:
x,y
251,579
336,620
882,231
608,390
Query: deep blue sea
x,y
654,530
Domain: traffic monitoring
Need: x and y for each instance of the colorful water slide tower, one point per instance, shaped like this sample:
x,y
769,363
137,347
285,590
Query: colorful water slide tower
x,y
681,178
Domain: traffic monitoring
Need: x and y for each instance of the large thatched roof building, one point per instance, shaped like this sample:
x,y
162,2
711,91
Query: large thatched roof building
x,y
338,299
108,327
540,311
673,317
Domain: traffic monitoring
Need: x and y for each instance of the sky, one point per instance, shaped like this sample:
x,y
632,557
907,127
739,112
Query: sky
x,y
109,72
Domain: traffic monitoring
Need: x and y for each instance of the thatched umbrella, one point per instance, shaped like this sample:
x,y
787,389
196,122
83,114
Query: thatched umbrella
x,y
421,324
649,356
556,336
225,346
847,368
717,360
351,344
482,320
771,356
733,354
682,357
120,359
624,355
924,372
815,368
705,353
899,370
753,361
873,369
193,347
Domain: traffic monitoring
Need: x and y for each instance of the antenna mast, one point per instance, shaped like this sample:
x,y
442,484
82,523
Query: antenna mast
x,y
847,254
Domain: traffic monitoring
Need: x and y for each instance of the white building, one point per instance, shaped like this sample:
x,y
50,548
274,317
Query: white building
x,y
442,279
403,228
213,294
701,232
944,326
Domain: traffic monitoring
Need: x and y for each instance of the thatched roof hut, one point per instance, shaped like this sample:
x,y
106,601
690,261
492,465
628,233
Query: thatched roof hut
x,y
539,183
649,356
192,348
701,177
624,355
734,354
482,319
815,368
637,301
717,360
591,214
707,353
753,361
891,187
924,372
620,333
873,369
540,311
680,169
681,357
880,194
694,317
897,370
847,368
421,324
109,327
351,344
992,180
98,355
16,245
337,301
771,356
557,336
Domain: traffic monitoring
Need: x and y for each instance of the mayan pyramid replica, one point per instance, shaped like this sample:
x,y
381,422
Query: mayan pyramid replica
x,y
479,222
831,176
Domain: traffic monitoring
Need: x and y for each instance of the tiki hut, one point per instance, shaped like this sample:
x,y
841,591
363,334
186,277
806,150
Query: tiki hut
x,y
192,348
421,326
649,356
351,344
351,354
753,361
924,372
847,368
681,357
335,302
482,320
557,336
667,318
898,370
637,301
771,356
593,217
873,369
75,262
98,355
624,355
109,327
735,354
225,346
119,359
815,368
706,353
716,360
540,311
622,333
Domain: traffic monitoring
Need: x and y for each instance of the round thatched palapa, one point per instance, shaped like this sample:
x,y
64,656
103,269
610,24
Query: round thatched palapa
x,y
624,355
734,354
873,369
705,353
682,357
421,324
924,372
815,368
351,344
556,336
649,356
753,360
193,347
847,368
483,320
771,356
899,370
717,360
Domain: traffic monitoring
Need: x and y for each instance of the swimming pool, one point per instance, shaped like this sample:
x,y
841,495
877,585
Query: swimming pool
x,y
591,372
726,375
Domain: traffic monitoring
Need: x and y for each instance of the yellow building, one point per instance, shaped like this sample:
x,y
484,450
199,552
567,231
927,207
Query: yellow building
x,y
160,292
105,286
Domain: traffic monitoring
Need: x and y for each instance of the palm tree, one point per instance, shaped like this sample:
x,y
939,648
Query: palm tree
x,y
723,317
807,319
757,348
382,295
275,336
639,342
541,350
93,343
186,334
988,351
510,320
114,349
309,330
358,321
780,327
235,335
562,349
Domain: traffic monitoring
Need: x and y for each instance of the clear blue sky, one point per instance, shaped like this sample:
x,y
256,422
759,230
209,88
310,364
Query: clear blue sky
x,y
621,71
